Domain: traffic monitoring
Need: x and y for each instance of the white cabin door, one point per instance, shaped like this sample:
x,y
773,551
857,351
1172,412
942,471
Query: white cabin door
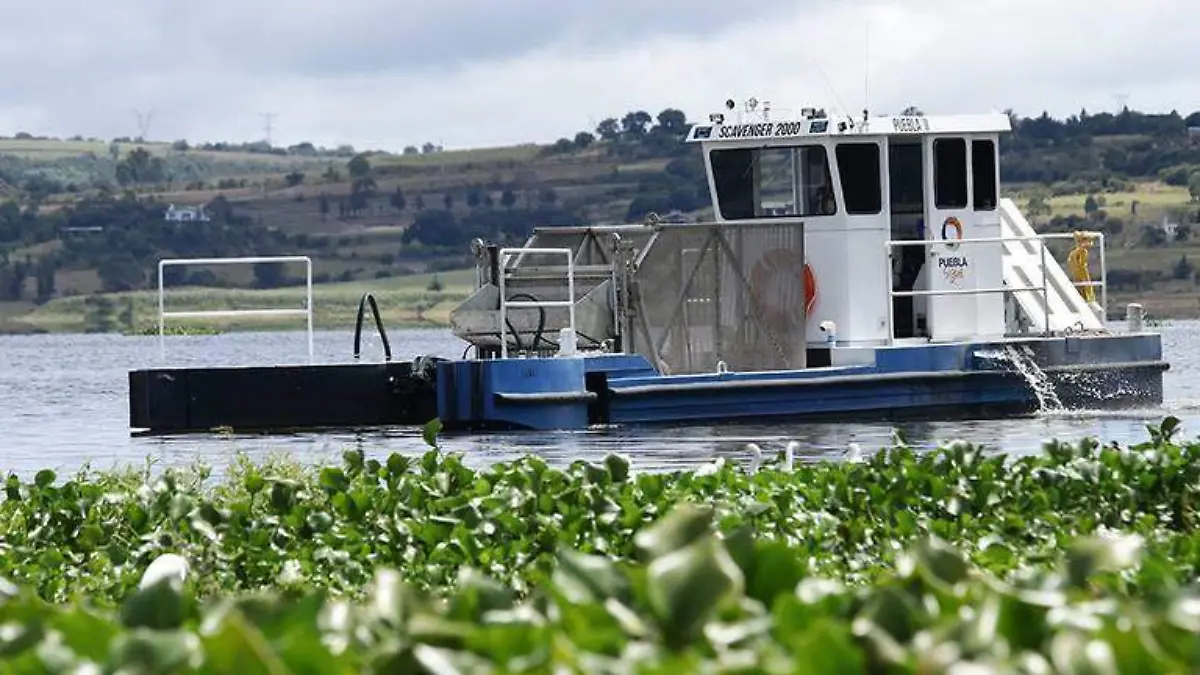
x,y
949,269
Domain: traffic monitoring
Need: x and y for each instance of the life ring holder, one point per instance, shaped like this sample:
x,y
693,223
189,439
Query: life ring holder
x,y
777,261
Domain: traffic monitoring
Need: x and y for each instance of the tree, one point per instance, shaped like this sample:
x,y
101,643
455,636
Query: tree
x,y
583,140
12,279
1090,205
474,197
448,200
1194,186
673,121
434,228
547,195
359,166
1184,269
634,123
323,205
1038,206
140,167
608,130
268,274
46,269
397,199
294,178
508,198
121,272
98,314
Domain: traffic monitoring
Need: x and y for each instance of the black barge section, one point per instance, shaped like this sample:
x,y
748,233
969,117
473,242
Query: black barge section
x,y
167,400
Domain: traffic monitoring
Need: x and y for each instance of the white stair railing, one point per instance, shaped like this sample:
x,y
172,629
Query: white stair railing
x,y
1061,307
305,312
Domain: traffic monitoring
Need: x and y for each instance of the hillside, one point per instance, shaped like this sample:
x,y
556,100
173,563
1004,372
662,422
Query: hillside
x,y
78,217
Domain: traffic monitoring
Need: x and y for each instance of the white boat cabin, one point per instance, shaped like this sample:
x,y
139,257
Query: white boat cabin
x,y
862,187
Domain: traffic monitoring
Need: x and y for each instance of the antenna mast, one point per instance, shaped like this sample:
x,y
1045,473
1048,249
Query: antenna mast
x,y
867,73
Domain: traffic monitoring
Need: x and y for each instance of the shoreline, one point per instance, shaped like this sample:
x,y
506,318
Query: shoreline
x,y
403,316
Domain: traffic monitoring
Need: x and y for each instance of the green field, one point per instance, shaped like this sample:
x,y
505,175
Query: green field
x,y
1080,559
403,301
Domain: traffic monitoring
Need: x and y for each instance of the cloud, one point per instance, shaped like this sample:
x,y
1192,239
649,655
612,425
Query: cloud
x,y
479,72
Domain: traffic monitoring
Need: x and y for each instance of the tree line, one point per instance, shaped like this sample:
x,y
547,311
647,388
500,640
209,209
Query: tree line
x,y
122,236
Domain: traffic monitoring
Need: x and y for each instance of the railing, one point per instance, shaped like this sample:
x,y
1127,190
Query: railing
x,y
1102,282
306,312
1044,287
505,303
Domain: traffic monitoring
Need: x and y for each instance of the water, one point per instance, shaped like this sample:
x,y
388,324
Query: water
x,y
64,403
1022,360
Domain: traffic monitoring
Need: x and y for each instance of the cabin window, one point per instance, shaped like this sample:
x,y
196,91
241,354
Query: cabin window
x,y
777,182
858,166
950,173
906,178
983,173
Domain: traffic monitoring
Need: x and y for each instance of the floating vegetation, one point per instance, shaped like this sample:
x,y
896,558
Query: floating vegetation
x,y
1081,559
175,330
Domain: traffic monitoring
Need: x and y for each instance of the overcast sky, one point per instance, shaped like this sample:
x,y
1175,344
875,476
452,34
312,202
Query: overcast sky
x,y
387,73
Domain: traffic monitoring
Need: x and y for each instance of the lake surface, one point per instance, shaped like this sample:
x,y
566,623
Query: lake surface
x,y
64,404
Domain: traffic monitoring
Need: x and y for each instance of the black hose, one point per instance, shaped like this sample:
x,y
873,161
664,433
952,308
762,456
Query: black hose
x,y
537,335
358,323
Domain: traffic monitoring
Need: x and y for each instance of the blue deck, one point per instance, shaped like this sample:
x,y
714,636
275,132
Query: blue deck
x,y
926,379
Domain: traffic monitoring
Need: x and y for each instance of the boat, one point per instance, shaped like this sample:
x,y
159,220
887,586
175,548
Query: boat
x,y
853,267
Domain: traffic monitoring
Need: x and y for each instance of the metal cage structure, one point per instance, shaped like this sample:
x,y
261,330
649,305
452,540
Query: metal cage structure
x,y
690,297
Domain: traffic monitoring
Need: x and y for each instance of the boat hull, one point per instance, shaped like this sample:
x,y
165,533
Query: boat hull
x,y
928,381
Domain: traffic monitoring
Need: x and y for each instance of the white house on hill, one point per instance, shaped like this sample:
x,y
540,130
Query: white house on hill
x,y
187,213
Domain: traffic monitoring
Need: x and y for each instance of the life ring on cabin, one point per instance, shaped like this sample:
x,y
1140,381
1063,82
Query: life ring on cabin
x,y
953,226
775,291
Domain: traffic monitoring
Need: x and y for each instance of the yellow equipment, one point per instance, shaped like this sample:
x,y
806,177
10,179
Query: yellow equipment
x,y
1077,264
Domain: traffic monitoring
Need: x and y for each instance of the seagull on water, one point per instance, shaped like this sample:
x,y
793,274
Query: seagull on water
x,y
789,455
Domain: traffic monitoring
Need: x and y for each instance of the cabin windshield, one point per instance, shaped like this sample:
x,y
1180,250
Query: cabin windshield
x,y
774,182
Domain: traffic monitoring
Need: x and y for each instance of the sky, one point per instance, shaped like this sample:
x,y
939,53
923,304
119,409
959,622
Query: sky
x,y
383,74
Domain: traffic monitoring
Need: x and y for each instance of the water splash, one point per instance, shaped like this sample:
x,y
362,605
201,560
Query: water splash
x,y
1024,364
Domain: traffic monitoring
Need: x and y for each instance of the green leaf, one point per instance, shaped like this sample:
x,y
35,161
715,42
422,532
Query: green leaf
x,y
283,494
776,571
430,432
159,606
333,480
687,523
151,651
1101,554
235,646
44,478
588,578
397,464
87,634
618,467
685,586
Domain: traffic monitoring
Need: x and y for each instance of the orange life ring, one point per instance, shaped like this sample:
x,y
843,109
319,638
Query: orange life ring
x,y
810,289
773,285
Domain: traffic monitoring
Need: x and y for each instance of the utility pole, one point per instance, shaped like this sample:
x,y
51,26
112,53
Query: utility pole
x,y
143,121
267,117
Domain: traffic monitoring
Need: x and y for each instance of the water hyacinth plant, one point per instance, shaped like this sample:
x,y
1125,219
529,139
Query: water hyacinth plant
x,y
1081,559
